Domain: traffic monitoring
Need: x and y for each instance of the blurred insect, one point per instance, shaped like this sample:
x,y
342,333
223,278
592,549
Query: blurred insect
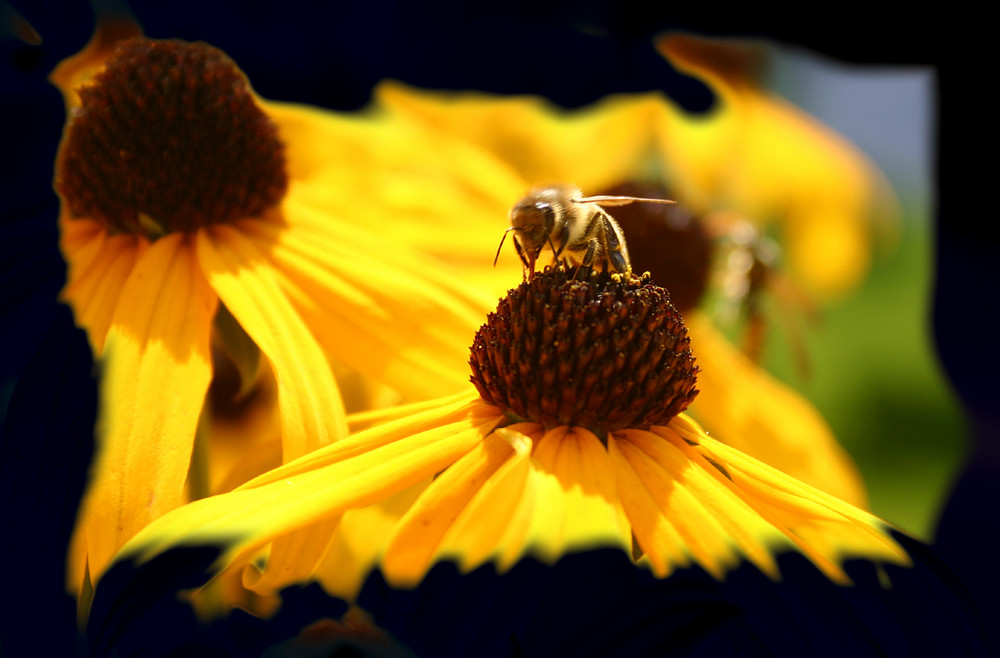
x,y
575,227
750,268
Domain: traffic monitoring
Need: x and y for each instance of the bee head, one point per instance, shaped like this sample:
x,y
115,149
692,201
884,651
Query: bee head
x,y
532,222
534,219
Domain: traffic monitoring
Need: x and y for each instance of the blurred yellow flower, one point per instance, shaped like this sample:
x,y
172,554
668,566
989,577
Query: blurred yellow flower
x,y
199,235
554,455
756,154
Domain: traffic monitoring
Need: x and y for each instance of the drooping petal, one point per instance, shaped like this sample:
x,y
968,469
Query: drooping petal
x,y
748,409
355,472
310,408
863,534
240,271
679,513
827,530
156,369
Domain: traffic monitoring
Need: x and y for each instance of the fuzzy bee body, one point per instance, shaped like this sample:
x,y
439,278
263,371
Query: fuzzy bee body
x,y
577,229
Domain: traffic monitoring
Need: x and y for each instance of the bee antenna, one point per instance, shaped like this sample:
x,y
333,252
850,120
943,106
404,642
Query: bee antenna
x,y
497,257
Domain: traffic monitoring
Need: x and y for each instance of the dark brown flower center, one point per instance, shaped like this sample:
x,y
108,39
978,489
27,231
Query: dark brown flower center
x,y
168,138
606,352
667,241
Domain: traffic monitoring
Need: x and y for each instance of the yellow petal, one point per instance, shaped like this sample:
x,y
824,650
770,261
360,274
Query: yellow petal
x,y
824,528
386,313
596,147
240,271
294,557
418,537
680,512
391,174
360,540
497,521
355,472
745,407
365,419
587,512
450,414
499,503
156,369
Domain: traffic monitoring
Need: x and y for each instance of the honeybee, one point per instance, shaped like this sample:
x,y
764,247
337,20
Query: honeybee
x,y
575,227
750,269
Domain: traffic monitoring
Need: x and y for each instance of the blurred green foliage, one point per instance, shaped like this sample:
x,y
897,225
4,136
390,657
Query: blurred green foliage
x,y
873,373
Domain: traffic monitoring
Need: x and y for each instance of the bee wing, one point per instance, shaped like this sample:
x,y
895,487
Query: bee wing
x,y
605,200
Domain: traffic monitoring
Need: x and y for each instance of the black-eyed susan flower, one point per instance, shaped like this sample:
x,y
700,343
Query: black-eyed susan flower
x,y
196,231
574,439
509,144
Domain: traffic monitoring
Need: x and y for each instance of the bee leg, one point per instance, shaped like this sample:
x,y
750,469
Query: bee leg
x,y
556,261
556,252
614,247
617,261
588,258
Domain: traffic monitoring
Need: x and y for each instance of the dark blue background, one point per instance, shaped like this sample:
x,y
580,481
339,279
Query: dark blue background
x,y
331,54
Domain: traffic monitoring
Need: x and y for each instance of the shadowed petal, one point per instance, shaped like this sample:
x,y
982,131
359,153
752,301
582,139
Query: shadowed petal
x,y
98,266
156,372
312,414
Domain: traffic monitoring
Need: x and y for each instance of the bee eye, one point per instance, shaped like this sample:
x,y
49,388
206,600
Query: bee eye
x,y
548,212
